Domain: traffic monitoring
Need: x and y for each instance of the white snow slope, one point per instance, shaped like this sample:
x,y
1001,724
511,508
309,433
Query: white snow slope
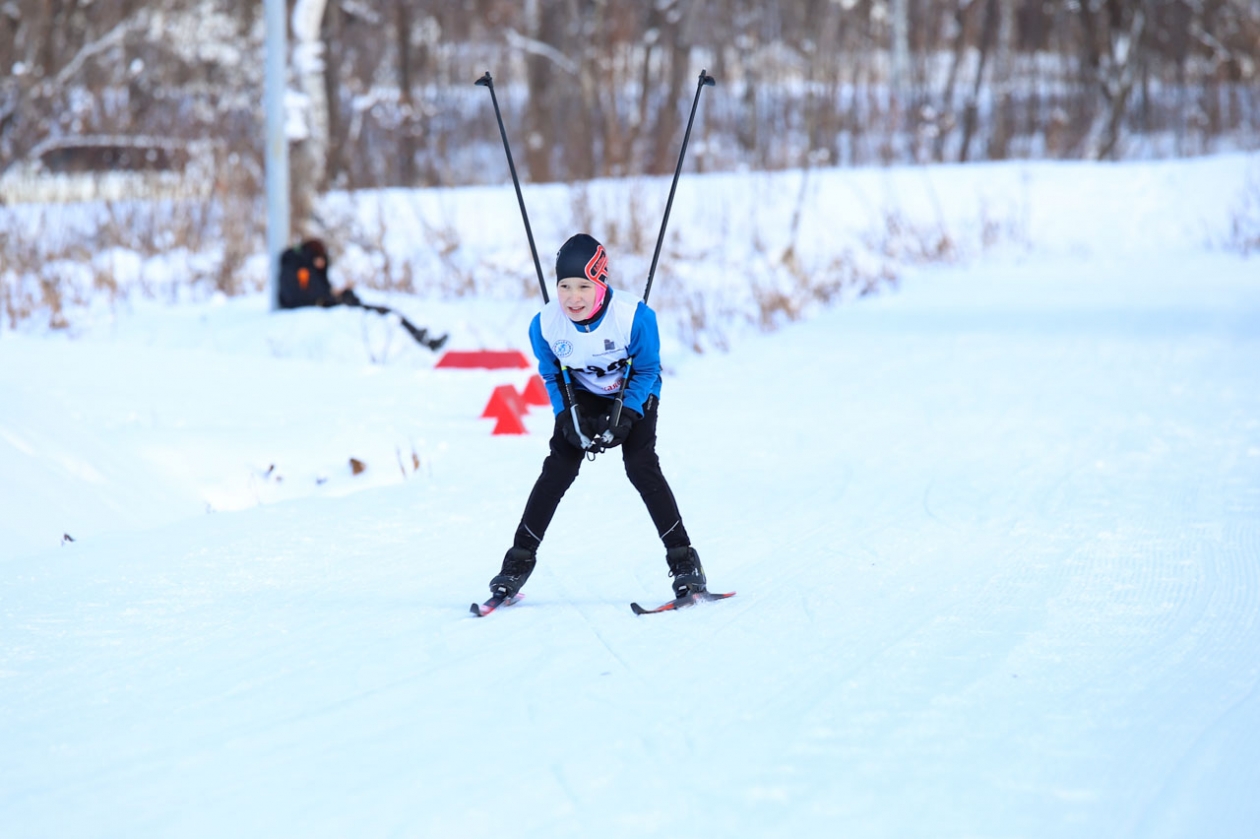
x,y
995,537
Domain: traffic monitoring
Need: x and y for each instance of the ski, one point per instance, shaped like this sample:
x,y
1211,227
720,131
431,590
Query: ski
x,y
483,609
682,602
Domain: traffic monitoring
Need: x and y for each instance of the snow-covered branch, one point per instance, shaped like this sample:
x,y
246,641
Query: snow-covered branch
x,y
111,39
536,47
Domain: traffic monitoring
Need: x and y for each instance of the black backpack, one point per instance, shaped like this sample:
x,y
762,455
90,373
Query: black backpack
x,y
304,276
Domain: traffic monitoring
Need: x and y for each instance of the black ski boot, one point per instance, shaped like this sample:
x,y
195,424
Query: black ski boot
x,y
685,568
518,564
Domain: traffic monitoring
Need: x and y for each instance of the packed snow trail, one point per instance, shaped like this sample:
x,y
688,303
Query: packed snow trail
x,y
997,546
995,538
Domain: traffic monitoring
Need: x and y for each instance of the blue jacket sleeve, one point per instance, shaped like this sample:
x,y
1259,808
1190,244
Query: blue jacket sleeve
x,y
645,349
548,364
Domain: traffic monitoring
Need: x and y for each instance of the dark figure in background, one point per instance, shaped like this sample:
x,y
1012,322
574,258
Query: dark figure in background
x,y
304,278
304,282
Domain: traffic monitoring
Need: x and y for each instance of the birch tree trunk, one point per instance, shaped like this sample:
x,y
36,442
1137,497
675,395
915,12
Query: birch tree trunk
x,y
1003,83
1116,77
900,55
950,119
308,163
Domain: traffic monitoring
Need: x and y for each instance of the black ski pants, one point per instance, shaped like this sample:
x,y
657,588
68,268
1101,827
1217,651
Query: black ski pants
x,y
643,468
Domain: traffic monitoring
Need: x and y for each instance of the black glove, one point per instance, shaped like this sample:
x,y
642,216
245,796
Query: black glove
x,y
347,297
615,435
565,420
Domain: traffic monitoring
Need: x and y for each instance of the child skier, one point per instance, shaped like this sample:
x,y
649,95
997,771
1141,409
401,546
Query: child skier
x,y
595,333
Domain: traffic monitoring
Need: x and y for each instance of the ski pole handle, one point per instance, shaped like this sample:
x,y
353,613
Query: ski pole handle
x,y
587,442
618,403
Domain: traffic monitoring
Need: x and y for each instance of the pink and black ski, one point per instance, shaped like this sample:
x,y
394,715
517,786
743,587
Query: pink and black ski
x,y
682,602
483,609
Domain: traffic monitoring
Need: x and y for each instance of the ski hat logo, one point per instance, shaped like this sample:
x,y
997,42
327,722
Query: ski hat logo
x,y
562,349
597,269
582,256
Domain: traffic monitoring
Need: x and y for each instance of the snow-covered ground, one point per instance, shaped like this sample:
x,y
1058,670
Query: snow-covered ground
x,y
996,538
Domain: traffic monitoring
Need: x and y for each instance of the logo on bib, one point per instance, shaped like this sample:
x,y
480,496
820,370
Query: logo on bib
x,y
562,349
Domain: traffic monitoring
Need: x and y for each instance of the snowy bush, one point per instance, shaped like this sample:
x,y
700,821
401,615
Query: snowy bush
x,y
1245,222
731,260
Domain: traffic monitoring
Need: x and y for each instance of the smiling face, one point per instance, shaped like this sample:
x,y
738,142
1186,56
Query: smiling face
x,y
582,274
578,297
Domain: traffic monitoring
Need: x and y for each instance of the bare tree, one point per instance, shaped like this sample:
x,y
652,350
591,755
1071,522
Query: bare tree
x,y
971,112
1004,81
1113,46
546,69
330,34
595,87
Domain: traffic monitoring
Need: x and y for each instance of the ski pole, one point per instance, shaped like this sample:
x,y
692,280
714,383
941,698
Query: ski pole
x,y
487,82
587,442
705,81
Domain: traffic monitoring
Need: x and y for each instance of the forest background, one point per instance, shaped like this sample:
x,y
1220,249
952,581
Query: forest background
x,y
381,95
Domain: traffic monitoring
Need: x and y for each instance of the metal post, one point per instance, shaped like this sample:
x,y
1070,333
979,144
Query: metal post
x,y
277,144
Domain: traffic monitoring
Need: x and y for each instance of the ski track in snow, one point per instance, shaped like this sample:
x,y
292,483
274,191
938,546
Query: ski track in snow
x,y
995,537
